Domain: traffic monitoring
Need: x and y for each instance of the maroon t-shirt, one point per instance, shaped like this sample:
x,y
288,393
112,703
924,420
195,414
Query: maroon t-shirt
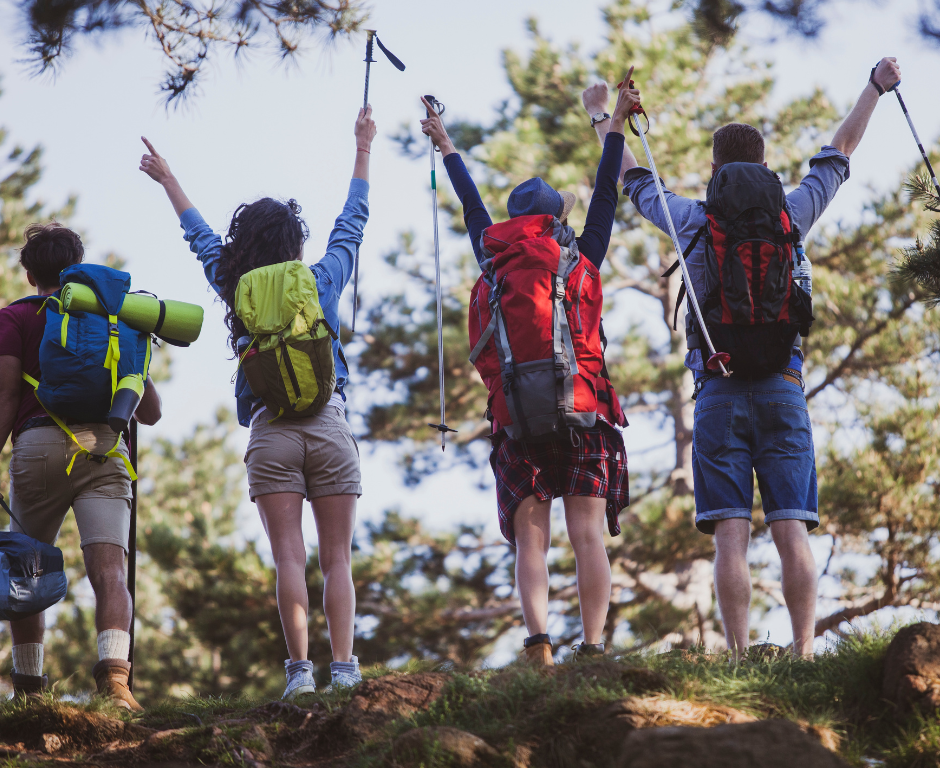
x,y
20,334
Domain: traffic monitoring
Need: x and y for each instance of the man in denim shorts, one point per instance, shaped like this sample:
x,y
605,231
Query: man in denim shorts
x,y
761,425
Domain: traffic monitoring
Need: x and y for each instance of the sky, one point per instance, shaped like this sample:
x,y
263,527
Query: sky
x,y
261,128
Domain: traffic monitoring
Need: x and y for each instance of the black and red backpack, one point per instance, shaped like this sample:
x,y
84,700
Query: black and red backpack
x,y
753,308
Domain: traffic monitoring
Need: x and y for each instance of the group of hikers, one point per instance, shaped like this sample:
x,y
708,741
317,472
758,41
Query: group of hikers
x,y
538,342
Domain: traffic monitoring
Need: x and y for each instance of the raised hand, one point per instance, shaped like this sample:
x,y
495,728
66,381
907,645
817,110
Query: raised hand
x,y
159,170
154,165
627,98
595,98
365,129
887,73
433,126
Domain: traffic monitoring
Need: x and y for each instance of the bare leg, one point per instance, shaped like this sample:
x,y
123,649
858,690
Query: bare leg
x,y
584,517
104,564
281,515
28,630
336,519
799,581
532,524
733,580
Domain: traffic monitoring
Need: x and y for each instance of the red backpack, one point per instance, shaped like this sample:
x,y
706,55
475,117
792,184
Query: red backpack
x,y
535,330
753,307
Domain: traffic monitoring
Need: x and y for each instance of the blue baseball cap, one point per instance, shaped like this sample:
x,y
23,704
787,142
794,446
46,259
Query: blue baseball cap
x,y
536,198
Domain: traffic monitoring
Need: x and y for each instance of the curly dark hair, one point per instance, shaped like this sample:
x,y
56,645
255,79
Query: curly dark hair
x,y
262,233
49,249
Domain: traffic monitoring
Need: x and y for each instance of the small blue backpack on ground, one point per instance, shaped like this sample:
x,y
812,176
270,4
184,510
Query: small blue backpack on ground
x,y
32,574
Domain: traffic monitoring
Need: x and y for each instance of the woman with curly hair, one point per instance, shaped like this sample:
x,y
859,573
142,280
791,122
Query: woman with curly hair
x,y
314,457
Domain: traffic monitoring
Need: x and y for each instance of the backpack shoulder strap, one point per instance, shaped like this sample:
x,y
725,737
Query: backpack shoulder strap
x,y
685,254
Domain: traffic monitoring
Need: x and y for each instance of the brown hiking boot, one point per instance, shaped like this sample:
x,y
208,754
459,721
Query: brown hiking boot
x,y
538,651
111,676
29,686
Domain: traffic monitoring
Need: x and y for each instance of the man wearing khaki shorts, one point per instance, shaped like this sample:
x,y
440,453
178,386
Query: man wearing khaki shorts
x,y
42,491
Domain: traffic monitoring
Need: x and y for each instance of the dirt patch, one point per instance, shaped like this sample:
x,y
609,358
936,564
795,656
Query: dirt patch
x,y
767,743
379,701
912,667
454,747
54,727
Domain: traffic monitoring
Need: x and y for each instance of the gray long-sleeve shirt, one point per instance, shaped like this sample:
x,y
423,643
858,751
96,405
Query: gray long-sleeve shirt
x,y
828,169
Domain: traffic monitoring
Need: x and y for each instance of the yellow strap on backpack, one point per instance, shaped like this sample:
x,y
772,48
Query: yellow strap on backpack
x,y
114,353
113,453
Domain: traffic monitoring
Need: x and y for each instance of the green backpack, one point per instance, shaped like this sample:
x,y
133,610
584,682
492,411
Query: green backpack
x,y
289,361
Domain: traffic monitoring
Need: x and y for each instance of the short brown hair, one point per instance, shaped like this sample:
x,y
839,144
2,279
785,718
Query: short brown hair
x,y
49,249
737,143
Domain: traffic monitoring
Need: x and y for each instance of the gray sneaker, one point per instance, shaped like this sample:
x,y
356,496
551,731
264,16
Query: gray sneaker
x,y
345,673
299,679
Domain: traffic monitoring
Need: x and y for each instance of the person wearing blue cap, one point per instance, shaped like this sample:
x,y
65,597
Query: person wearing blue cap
x,y
543,285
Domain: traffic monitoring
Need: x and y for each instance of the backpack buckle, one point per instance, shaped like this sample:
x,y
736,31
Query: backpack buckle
x,y
113,329
98,458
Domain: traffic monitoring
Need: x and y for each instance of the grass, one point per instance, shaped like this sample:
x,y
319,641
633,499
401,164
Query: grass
x,y
515,707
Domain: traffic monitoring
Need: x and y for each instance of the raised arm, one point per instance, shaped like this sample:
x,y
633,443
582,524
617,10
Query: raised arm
x,y
205,243
850,133
475,216
596,100
159,170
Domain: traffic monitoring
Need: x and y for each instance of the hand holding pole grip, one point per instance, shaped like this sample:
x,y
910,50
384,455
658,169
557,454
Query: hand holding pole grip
x,y
636,109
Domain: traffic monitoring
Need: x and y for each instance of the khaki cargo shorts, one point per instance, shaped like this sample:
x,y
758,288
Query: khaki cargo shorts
x,y
41,493
316,456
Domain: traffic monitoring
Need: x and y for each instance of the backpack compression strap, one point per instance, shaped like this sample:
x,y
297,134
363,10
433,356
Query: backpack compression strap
x,y
114,355
113,453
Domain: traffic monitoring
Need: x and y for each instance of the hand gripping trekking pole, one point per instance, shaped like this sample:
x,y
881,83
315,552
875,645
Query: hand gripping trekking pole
x,y
371,35
716,360
442,427
920,144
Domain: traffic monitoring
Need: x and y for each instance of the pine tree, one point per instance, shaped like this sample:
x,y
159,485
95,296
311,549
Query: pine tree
x,y
189,35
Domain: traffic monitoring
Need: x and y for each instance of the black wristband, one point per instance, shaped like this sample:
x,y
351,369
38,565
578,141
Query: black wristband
x,y
871,79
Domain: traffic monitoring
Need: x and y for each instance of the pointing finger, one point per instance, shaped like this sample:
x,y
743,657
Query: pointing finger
x,y
150,146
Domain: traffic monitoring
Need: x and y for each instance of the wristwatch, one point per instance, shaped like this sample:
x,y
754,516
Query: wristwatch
x,y
599,117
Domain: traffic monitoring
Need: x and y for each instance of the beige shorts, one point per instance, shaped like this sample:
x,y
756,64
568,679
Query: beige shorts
x,y
41,493
316,456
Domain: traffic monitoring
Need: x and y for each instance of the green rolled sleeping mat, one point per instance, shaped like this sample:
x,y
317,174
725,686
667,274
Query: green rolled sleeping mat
x,y
176,322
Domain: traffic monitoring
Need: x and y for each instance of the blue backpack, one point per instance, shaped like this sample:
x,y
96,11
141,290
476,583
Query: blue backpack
x,y
32,574
84,356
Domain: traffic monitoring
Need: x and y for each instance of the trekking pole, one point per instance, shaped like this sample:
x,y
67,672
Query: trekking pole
x,y
920,144
716,359
370,36
442,427
132,550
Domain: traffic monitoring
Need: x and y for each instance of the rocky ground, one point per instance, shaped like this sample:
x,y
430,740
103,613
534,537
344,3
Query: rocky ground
x,y
864,704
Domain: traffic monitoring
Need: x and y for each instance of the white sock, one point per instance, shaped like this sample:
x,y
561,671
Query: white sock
x,y
27,659
114,644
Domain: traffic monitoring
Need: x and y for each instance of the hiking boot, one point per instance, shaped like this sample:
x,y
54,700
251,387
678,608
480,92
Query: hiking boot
x,y
299,679
584,650
29,686
538,651
111,675
345,674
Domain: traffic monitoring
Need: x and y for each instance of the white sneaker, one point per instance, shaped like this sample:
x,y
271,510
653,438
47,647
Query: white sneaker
x,y
345,674
299,679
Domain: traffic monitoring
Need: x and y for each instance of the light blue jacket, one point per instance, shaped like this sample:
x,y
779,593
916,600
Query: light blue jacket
x,y
828,169
332,273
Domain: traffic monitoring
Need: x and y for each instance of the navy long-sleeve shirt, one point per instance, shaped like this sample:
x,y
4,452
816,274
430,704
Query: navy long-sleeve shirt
x,y
598,224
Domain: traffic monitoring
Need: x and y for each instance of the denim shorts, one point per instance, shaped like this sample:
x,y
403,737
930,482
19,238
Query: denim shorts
x,y
743,426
